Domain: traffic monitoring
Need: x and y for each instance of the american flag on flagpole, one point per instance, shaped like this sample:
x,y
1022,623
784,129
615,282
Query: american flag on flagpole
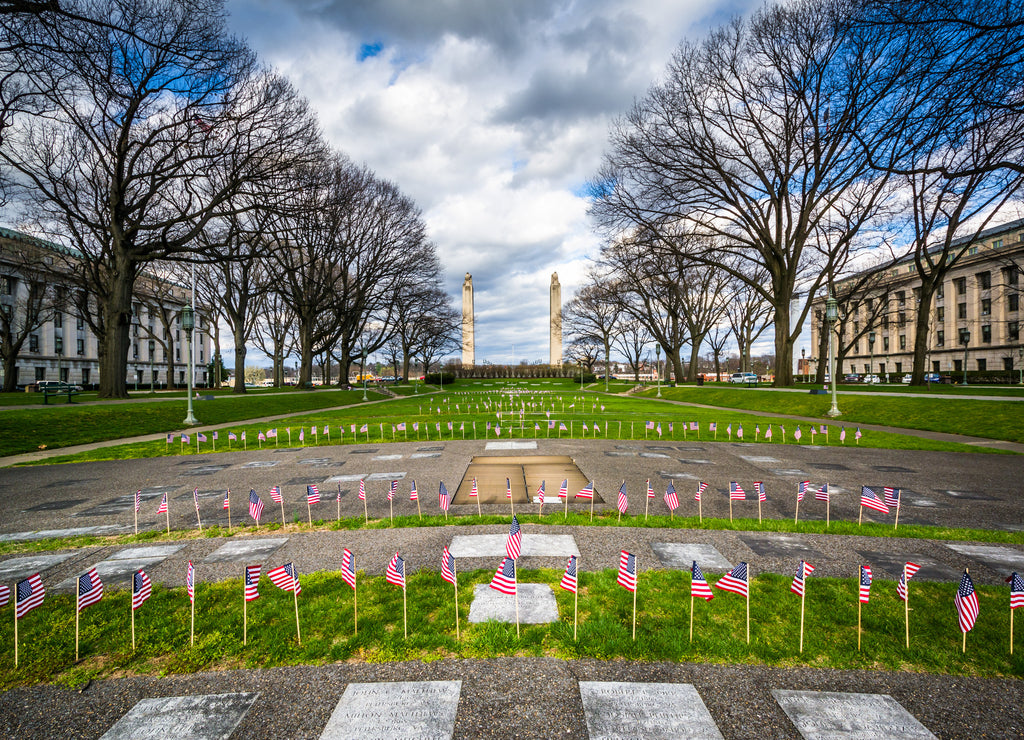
x,y
414,495
870,500
227,499
822,493
348,568
587,492
286,578
312,494
392,490
190,582
671,498
514,543
504,579
966,601
142,587
570,580
540,493
622,503
759,490
252,582
138,501
698,586
195,496
443,499
395,572
474,491
255,505
804,570
736,492
801,490
650,425
1016,590
891,495
508,488
448,566
90,589
163,505
627,570
701,488
563,490
232,437
908,572
865,583
362,490
650,490
735,581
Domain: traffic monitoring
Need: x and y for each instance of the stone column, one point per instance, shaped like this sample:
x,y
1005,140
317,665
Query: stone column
x,y
556,321
468,343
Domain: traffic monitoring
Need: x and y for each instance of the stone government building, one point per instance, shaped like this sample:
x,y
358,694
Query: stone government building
x,y
60,344
978,301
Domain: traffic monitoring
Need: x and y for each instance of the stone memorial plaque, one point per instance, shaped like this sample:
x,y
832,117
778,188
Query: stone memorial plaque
x,y
315,461
364,452
151,551
353,478
413,710
261,464
788,471
995,557
931,570
205,470
423,455
45,534
620,453
436,448
680,555
654,455
245,550
15,569
653,711
759,459
683,448
205,717
58,505
781,546
970,495
513,445
659,447
537,604
493,545
827,466
385,476
385,458
693,461
892,469
677,476
833,715
303,481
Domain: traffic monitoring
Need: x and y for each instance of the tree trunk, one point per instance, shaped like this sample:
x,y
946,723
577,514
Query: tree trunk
x,y
694,359
305,354
677,363
10,381
117,316
215,361
240,352
921,333
783,349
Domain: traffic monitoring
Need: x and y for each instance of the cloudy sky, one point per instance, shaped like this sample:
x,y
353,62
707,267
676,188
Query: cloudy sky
x,y
491,114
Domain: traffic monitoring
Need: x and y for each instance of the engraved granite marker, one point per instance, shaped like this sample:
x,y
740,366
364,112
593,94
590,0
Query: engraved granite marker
x,y
652,711
835,715
209,717
412,710
682,554
243,551
537,604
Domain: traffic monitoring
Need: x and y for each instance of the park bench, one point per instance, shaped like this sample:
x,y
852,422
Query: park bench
x,y
69,392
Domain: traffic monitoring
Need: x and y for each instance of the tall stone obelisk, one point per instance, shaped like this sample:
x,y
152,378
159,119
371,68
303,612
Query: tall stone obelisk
x,y
556,321
468,344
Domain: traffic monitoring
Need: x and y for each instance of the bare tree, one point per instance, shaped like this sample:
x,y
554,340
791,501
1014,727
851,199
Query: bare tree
x,y
716,340
594,314
274,331
631,341
28,307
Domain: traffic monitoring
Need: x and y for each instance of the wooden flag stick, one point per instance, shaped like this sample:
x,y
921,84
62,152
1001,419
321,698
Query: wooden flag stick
x,y
192,628
131,593
635,587
282,511
77,597
860,517
339,493
796,516
245,615
899,501
828,510
511,504
420,513
1011,631
691,610
576,607
592,495
758,508
229,512
295,595
391,505
802,599
700,511
730,507
515,570
309,511
455,577
366,516
16,628
906,605
566,505
136,519
355,610
405,614
167,514
647,504
748,607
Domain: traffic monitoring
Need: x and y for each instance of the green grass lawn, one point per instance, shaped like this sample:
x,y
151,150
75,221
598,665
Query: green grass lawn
x,y
990,419
605,613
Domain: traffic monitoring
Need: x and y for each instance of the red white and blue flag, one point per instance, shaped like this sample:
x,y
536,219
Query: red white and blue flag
x,y
587,492
252,582
804,570
190,582
563,490
138,501
348,568
393,490
736,492
514,543
474,491
1016,590
504,579
395,572
508,488
865,583
227,499
735,581
622,502
414,495
698,586
275,495
286,578
443,499
255,505
650,490
802,490
966,601
142,587
362,490
540,493
891,495
448,566
312,494
701,488
627,570
90,589
822,493
570,579
908,572
195,496
163,505
759,490
671,498
869,499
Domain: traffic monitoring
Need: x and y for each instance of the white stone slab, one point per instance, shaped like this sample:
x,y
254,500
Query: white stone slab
x,y
493,545
351,478
832,715
758,459
417,710
682,554
207,717
153,551
537,604
238,551
423,455
512,445
46,534
112,572
15,569
652,711
261,464
997,558
388,457
385,476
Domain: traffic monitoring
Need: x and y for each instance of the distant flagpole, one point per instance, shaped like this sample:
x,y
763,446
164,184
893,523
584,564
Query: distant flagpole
x,y
227,500
899,501
828,505
455,577
295,595
245,609
515,581
803,597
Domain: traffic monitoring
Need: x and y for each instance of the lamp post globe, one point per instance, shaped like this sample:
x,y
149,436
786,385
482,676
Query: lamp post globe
x,y
832,316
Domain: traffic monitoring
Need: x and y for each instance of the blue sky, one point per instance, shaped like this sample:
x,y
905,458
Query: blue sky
x,y
491,115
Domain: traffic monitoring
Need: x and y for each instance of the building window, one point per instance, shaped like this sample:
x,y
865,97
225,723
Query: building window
x,y
33,345
940,292
135,351
177,354
885,321
40,373
81,346
972,250
984,280
958,366
903,342
867,368
885,344
181,376
201,358
1013,331
64,375
935,366
1010,276
940,338
901,319
996,243
982,364
85,375
986,306
58,320
961,285
961,310
1007,363
986,333
940,313
7,285
901,298
1013,302
80,323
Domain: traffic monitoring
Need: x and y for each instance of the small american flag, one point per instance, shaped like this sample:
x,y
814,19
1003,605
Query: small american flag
x,y
870,500
227,499
443,499
186,439
768,432
627,571
302,434
348,568
842,434
393,490
243,436
272,433
142,587
312,494
275,495
659,428
650,490
261,437
736,492
170,438
508,488
857,434
252,582
802,572
891,495
195,496
540,493
448,566
200,437
190,582
908,572
395,572
569,579
138,501
728,429
698,586
563,490
414,495
587,492
671,498
759,490
823,429
514,543
474,492
694,426
865,583
163,505
90,589
735,581
650,425
701,488
551,424
822,493
255,505
739,432
362,490
504,579
286,578
363,429
801,490
966,601
415,426
232,437
1016,590
622,503
401,426
562,427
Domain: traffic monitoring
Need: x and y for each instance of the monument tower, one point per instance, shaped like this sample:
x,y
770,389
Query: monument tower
x,y
468,347
556,321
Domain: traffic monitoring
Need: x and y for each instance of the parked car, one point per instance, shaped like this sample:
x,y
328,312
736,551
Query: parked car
x,y
851,378
57,386
871,379
906,378
932,378
743,378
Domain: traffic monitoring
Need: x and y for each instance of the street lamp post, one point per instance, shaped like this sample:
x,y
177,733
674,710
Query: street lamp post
x,y
803,362
832,316
152,346
965,339
58,348
362,371
188,323
657,366
871,344
1020,354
